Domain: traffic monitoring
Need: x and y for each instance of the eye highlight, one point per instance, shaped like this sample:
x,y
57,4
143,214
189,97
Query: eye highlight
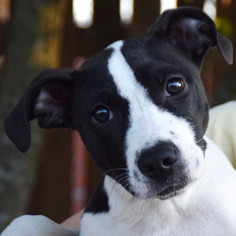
x,y
174,86
101,114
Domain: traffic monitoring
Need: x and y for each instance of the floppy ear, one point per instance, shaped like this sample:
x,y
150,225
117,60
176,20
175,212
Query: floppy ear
x,y
191,31
48,99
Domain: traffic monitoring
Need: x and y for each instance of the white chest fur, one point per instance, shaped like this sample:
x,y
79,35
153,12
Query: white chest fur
x,y
207,207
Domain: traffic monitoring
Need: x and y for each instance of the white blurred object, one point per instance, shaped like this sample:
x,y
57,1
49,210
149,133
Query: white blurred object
x,y
83,13
126,11
167,4
209,8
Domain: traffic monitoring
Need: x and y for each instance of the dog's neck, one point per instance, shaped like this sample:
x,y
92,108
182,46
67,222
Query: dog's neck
x,y
180,215
121,201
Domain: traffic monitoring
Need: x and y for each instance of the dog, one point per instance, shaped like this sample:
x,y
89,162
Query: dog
x,y
141,110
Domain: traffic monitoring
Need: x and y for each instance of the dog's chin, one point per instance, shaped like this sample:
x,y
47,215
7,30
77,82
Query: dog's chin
x,y
165,193
171,191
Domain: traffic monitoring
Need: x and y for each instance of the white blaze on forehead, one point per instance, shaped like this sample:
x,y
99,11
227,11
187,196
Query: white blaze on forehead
x,y
149,123
123,75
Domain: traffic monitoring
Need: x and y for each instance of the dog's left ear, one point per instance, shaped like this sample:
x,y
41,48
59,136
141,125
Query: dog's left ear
x,y
48,99
191,31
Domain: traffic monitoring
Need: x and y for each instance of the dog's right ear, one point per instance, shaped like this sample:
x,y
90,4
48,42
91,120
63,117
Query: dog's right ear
x,y
48,99
192,32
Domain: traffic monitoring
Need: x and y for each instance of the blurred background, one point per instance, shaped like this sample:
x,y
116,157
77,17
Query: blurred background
x,y
56,176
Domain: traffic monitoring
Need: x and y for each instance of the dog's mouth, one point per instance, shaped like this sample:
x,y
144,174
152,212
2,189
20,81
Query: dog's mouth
x,y
163,191
171,191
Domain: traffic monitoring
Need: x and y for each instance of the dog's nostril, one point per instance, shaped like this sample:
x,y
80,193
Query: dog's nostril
x,y
168,161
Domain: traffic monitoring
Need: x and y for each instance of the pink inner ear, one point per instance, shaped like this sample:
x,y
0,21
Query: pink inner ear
x,y
52,105
185,33
58,91
193,37
53,95
43,98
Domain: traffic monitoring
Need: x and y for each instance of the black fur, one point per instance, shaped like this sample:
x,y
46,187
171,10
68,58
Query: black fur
x,y
101,197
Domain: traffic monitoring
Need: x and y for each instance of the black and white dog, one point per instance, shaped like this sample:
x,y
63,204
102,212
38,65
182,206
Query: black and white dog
x,y
141,110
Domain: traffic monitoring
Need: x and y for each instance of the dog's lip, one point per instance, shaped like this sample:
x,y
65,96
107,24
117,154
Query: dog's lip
x,y
170,191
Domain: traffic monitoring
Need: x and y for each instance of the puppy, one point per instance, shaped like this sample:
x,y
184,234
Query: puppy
x,y
141,110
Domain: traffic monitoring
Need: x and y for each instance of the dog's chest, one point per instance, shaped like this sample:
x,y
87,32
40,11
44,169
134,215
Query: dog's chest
x,y
130,216
204,209
150,219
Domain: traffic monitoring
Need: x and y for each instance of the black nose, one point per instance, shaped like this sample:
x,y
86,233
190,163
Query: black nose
x,y
159,161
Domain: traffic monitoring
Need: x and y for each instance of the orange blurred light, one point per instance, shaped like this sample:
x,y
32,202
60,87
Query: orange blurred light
x,y
226,3
4,10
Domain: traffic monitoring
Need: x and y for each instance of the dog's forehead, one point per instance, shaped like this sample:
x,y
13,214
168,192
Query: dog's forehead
x,y
145,59
108,73
94,77
135,62
152,63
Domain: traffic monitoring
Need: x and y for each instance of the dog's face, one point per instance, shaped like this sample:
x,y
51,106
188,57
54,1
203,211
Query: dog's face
x,y
138,119
139,105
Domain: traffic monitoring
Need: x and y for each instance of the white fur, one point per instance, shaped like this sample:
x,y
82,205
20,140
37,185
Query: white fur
x,y
206,208
36,226
150,124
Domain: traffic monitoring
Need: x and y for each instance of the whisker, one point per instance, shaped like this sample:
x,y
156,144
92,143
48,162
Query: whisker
x,y
220,144
116,182
209,149
116,177
125,184
124,156
114,170
199,141
125,177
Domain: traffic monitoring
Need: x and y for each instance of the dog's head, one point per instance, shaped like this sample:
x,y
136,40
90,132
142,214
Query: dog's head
x,y
139,105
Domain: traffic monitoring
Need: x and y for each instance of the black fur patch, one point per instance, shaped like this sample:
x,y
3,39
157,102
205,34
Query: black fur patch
x,y
99,201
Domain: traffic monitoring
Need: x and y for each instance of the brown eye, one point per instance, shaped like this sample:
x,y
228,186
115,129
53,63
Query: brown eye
x,y
174,86
101,114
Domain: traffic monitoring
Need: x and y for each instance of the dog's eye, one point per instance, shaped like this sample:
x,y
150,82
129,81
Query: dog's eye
x,y
101,114
174,86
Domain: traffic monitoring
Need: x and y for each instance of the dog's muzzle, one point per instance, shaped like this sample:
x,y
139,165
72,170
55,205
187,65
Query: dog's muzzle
x,y
163,170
